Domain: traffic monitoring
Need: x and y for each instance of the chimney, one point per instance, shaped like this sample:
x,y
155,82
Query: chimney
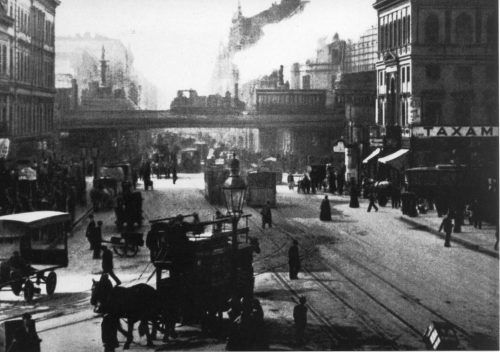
x,y
236,93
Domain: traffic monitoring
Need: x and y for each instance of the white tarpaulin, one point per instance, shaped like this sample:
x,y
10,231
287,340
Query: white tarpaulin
x,y
270,159
27,174
396,159
371,156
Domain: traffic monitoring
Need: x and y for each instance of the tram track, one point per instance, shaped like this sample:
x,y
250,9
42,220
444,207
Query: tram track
x,y
405,295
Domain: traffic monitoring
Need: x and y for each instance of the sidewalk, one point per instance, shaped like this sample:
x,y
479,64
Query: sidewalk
x,y
480,240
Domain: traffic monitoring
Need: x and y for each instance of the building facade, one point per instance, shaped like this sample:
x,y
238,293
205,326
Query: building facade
x,y
27,88
437,69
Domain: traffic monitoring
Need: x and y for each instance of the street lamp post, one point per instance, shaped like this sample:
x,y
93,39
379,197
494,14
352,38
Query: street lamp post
x,y
234,189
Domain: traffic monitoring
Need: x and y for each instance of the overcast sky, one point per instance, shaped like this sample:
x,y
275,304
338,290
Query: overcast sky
x,y
175,42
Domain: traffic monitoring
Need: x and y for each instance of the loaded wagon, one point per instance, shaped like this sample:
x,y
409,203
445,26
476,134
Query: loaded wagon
x,y
261,189
198,268
32,246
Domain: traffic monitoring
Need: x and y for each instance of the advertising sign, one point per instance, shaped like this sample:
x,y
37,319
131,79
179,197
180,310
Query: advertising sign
x,y
4,147
454,131
415,111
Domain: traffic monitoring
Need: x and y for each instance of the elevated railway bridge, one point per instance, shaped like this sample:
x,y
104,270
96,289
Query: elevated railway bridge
x,y
304,133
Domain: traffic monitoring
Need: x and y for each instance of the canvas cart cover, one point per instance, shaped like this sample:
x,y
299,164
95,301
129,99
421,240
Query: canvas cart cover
x,y
27,174
112,172
40,237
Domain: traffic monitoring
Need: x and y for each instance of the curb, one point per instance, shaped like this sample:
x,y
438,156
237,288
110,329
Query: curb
x,y
464,243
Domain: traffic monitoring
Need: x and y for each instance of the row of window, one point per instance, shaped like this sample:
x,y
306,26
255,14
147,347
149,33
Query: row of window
x,y
404,73
464,29
35,68
32,22
32,119
394,30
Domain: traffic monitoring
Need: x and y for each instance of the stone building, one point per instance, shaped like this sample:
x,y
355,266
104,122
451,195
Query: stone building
x,y
27,75
437,75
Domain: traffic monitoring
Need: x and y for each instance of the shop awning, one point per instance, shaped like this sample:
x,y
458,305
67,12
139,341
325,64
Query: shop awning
x,y
371,156
396,159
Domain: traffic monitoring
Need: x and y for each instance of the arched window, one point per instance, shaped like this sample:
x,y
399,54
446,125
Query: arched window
x,y
463,29
492,30
432,29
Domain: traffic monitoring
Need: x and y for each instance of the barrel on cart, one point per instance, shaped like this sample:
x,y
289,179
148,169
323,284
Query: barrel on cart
x,y
32,246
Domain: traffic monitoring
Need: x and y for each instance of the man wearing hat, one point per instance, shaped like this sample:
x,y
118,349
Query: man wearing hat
x,y
300,319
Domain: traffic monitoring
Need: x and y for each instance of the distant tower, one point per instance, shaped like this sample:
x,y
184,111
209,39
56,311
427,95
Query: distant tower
x,y
104,67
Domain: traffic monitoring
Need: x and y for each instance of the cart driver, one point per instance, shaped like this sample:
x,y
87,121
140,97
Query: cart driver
x,y
18,264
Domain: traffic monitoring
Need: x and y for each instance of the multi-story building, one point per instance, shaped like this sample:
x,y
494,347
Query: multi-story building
x,y
437,81
27,75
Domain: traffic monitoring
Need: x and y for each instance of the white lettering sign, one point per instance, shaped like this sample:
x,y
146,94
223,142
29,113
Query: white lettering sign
x,y
458,131
415,115
339,147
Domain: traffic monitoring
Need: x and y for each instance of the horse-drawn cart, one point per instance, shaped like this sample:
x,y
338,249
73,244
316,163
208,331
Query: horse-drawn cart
x,y
127,245
35,238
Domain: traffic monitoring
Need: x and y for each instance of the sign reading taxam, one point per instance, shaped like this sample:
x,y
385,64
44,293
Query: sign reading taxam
x,y
455,131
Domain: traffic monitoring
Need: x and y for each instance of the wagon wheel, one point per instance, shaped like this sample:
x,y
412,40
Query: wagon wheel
x,y
29,290
131,250
50,283
120,250
17,284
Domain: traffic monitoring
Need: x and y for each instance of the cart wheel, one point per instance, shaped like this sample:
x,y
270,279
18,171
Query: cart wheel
x,y
29,290
131,251
120,250
50,283
17,284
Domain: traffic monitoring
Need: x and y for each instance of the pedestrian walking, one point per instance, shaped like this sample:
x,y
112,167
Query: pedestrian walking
x,y
300,320
107,264
267,217
291,182
174,174
109,330
97,241
447,226
395,197
294,260
372,198
325,210
90,231
354,194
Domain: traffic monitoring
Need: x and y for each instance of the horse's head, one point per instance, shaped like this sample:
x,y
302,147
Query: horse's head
x,y
254,242
100,292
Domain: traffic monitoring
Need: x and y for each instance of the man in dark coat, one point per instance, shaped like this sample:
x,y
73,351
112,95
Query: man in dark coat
x,y
325,211
354,194
477,216
109,330
372,198
294,260
107,264
90,231
267,217
447,226
26,338
97,240
300,320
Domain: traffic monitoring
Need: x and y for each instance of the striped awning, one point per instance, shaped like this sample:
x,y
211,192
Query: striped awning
x,y
371,156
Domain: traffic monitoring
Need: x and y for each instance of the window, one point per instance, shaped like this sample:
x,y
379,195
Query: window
x,y
403,70
431,29
408,74
463,29
433,72
306,82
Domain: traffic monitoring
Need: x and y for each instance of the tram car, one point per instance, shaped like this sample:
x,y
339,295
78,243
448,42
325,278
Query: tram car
x,y
189,160
32,246
196,271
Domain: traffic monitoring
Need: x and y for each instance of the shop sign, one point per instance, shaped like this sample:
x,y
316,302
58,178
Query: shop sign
x,y
415,110
4,147
452,131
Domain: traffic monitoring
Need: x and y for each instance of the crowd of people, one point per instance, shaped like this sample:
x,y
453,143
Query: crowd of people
x,y
47,185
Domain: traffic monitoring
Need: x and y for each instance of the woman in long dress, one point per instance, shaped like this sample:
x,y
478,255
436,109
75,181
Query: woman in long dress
x,y
326,211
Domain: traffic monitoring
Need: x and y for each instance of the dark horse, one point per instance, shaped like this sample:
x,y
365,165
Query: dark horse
x,y
136,303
